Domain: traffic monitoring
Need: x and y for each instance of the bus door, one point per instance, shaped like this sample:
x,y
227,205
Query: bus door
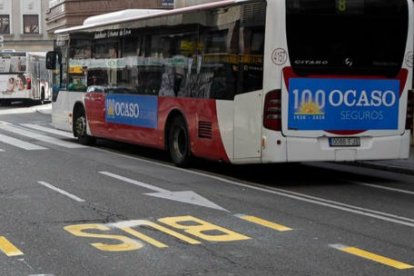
x,y
247,130
96,110
35,79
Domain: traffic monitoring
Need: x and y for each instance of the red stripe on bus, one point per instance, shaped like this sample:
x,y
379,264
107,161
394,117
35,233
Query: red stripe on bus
x,y
195,111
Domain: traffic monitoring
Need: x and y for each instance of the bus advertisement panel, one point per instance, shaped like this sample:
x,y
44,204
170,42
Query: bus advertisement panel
x,y
23,76
346,104
13,81
250,81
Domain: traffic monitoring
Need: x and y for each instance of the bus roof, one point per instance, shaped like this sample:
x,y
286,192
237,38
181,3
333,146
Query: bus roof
x,y
134,14
114,16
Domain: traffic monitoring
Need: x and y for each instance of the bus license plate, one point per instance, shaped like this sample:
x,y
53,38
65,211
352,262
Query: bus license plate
x,y
344,141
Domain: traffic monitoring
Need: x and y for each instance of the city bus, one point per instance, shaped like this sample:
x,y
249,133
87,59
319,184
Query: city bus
x,y
23,76
243,82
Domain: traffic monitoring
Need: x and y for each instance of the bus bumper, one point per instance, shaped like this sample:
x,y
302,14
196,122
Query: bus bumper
x,y
371,148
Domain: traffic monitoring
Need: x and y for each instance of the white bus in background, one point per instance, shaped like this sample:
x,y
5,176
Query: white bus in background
x,y
23,76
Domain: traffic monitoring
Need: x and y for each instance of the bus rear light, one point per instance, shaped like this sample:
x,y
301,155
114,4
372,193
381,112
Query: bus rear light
x,y
28,83
410,110
272,114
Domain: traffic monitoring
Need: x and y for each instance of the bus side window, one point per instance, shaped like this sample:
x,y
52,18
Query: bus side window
x,y
76,83
218,61
97,77
167,85
252,60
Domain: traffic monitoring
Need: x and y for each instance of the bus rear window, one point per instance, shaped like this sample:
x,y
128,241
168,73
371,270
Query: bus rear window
x,y
347,36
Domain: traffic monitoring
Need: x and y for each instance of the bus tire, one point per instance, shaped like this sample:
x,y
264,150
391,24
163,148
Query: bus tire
x,y
179,142
79,128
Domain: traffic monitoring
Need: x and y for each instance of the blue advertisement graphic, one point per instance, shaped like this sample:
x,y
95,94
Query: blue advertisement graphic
x,y
343,104
132,110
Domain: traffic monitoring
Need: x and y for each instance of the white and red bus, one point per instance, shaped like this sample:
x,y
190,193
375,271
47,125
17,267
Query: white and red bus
x,y
23,76
249,81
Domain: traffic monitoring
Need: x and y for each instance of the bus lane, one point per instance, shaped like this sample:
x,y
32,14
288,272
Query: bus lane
x,y
174,232
195,231
190,225
132,210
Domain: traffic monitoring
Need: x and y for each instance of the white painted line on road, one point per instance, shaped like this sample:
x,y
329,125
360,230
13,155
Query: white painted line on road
x,y
19,143
10,128
331,204
384,188
47,185
23,110
49,130
285,193
134,182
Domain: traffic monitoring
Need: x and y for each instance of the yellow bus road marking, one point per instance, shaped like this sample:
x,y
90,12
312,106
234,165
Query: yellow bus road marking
x,y
202,229
265,223
123,244
8,248
371,256
188,224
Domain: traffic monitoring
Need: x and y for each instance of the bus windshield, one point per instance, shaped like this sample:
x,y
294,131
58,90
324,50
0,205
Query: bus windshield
x,y
12,62
347,36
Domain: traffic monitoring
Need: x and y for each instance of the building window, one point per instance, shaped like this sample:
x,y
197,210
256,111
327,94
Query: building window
x,y
30,24
4,24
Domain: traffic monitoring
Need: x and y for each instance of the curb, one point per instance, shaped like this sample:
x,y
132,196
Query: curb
x,y
44,112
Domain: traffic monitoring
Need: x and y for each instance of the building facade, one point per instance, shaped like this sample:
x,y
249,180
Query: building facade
x,y
22,25
67,13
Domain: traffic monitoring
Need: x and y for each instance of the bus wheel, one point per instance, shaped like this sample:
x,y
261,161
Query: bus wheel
x,y
179,142
79,128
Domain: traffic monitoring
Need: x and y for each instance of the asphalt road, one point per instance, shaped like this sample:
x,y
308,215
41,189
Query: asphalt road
x,y
116,209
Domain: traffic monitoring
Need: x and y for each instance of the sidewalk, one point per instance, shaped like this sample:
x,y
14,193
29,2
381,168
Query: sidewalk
x,y
400,165
44,109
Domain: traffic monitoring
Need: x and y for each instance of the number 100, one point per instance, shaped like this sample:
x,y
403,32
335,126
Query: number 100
x,y
306,96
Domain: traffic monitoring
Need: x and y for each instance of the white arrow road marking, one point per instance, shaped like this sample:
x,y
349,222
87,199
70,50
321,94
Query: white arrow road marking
x,y
189,197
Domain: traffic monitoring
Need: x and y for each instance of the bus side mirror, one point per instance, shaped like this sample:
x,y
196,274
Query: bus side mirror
x,y
51,60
